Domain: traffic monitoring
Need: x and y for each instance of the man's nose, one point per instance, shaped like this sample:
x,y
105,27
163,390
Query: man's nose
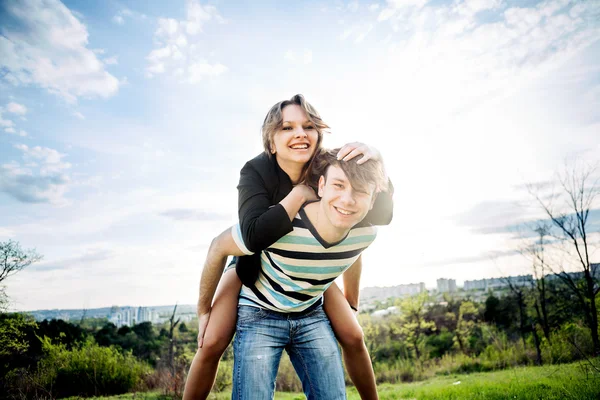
x,y
348,196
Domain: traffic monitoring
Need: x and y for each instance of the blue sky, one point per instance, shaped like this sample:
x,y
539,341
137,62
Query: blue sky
x,y
123,126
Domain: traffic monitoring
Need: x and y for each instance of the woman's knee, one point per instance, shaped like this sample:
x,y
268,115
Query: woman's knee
x,y
351,337
214,346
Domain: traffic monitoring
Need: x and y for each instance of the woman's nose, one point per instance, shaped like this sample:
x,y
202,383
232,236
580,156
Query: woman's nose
x,y
300,132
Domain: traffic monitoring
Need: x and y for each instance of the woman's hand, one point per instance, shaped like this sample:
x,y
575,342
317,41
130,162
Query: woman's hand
x,y
351,150
306,192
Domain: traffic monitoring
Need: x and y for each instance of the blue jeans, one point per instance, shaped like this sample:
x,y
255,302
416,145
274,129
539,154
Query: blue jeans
x,y
260,338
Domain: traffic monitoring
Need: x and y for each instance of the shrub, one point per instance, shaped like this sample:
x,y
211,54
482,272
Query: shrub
x,y
87,370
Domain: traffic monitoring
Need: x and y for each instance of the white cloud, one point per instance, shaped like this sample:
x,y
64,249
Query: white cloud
x,y
16,108
41,178
118,19
111,60
198,71
52,53
125,13
176,51
13,131
78,115
7,124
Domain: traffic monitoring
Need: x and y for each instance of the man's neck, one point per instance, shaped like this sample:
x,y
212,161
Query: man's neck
x,y
322,225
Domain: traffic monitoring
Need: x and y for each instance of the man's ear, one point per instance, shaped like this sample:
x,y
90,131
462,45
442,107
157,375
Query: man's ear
x,y
321,185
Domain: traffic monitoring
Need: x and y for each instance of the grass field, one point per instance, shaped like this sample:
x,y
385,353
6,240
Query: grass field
x,y
578,381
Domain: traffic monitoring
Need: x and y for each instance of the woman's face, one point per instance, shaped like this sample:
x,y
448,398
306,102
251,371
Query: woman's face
x,y
296,141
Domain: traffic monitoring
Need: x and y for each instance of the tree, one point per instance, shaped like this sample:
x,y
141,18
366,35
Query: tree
x,y
535,252
13,258
568,210
172,324
414,326
465,324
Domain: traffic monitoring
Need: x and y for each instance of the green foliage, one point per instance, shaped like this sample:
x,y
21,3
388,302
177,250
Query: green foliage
x,y
440,344
87,370
413,325
570,342
13,334
465,325
18,348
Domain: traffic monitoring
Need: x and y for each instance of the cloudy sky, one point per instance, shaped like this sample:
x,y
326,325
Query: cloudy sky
x,y
123,126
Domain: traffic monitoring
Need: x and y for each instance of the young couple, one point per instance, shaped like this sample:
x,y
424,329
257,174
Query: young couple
x,y
293,245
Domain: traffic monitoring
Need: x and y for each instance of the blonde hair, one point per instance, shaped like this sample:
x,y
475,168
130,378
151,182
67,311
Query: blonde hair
x,y
360,176
274,121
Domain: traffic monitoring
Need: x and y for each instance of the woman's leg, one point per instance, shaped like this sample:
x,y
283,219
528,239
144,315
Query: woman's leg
x,y
220,330
350,335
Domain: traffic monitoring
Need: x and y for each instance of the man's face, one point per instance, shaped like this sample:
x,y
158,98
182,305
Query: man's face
x,y
342,204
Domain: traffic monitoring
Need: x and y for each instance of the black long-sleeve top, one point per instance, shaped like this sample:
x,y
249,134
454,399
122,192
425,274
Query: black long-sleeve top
x,y
263,221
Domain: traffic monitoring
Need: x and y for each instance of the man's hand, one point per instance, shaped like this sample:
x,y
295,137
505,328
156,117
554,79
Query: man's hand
x,y
202,324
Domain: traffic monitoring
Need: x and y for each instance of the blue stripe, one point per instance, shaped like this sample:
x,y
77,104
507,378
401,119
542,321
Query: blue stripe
x,y
287,282
336,269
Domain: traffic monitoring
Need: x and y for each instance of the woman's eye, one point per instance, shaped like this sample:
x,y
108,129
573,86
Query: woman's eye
x,y
286,128
309,127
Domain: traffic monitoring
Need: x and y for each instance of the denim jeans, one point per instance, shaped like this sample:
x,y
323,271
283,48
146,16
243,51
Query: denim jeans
x,y
260,339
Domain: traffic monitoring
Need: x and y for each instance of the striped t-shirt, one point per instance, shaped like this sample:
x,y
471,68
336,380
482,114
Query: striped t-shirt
x,y
298,268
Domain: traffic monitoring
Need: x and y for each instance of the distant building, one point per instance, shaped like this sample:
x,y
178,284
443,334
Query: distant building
x,y
594,269
131,316
498,283
446,285
387,311
372,294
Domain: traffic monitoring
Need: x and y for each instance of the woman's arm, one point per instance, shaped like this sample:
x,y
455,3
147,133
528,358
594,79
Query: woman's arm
x,y
261,222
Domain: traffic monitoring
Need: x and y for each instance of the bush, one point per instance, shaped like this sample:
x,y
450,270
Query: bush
x,y
88,370
572,341
402,370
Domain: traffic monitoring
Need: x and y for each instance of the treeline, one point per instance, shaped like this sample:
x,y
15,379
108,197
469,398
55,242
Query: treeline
x,y
55,359
427,336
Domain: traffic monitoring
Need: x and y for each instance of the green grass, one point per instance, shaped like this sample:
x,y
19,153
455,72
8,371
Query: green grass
x,y
567,381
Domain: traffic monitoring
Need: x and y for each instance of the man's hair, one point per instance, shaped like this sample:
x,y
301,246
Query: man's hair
x,y
360,176
274,120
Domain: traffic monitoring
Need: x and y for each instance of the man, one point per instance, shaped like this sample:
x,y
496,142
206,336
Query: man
x,y
283,310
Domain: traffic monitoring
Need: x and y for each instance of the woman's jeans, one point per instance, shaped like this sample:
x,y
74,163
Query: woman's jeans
x,y
260,338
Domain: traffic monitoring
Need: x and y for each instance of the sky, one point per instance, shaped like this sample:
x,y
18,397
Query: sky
x,y
124,124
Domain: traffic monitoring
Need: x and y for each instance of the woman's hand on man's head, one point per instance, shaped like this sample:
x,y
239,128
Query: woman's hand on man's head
x,y
351,150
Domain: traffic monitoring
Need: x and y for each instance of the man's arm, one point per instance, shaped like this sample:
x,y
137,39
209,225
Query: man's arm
x,y
352,283
220,248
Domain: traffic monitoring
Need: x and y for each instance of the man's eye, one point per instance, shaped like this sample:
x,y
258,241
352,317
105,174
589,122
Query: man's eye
x,y
338,185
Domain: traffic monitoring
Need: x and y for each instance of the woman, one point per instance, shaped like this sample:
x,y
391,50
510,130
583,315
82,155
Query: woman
x,y
270,194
